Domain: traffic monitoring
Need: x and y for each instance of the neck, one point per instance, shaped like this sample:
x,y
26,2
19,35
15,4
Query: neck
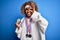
x,y
27,17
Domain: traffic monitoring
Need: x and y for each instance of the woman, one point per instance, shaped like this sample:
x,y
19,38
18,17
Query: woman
x,y
33,25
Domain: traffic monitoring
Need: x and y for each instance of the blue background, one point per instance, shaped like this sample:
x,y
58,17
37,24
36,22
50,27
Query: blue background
x,y
10,11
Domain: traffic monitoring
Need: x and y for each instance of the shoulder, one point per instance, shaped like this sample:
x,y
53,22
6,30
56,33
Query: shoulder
x,y
22,19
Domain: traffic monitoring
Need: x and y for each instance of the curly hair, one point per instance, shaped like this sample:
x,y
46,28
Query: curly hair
x,y
31,3
34,5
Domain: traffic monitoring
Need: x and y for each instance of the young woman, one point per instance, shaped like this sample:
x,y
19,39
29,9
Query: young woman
x,y
33,25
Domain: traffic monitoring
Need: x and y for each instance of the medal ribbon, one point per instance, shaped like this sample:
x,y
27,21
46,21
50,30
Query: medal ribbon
x,y
28,26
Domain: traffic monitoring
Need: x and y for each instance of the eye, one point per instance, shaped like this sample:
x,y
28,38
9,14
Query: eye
x,y
31,9
26,9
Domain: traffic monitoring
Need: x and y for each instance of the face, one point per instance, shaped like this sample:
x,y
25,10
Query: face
x,y
29,11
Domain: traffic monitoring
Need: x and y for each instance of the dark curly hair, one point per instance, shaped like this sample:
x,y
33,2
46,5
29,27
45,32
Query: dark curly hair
x,y
31,3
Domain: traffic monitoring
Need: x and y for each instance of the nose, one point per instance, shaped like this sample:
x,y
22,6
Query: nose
x,y
28,11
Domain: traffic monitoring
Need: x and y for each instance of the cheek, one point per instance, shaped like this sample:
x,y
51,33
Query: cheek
x,y
32,12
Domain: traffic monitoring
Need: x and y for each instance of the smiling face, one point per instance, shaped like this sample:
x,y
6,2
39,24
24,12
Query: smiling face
x,y
29,11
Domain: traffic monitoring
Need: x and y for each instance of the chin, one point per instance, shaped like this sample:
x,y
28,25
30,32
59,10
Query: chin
x,y
28,16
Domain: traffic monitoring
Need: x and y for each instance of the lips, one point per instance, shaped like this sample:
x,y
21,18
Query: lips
x,y
28,13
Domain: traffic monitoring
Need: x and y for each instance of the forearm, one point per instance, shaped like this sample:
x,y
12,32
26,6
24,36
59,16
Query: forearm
x,y
17,25
43,23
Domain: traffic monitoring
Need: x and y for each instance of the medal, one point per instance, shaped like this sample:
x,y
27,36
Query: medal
x,y
28,35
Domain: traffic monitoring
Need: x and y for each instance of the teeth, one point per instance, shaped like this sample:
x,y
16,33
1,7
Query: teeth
x,y
28,13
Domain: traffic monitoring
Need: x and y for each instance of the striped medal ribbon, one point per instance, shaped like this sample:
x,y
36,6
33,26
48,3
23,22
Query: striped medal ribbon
x,y
28,26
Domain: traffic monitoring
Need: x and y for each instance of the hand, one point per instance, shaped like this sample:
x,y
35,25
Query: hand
x,y
18,20
17,23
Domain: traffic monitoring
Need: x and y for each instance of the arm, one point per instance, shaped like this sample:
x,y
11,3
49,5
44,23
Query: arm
x,y
18,28
17,23
42,23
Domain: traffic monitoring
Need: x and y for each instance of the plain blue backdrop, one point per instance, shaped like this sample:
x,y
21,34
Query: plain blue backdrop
x,y
10,12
